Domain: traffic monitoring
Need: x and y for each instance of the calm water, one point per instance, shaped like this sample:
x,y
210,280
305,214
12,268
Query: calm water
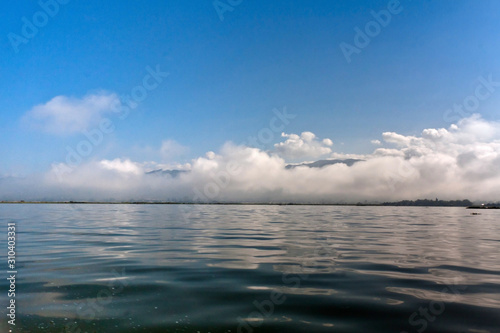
x,y
183,268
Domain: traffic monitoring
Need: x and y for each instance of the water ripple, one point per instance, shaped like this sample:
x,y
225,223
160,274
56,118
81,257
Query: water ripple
x,y
190,268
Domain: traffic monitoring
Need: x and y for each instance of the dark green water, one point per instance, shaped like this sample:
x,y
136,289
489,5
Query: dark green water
x,y
182,268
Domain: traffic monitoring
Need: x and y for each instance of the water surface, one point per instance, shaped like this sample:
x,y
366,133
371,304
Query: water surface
x,y
209,268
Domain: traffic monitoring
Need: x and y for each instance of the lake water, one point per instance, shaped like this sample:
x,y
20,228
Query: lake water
x,y
252,268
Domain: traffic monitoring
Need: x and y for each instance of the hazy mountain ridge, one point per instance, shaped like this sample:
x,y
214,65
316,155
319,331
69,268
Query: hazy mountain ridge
x,y
323,163
316,164
174,172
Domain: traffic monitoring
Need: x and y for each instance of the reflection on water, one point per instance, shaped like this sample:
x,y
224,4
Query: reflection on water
x,y
190,268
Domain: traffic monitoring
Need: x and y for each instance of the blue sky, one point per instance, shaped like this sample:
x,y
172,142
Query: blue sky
x,y
226,77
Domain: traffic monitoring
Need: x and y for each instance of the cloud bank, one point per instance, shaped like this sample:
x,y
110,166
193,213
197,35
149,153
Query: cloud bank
x,y
462,161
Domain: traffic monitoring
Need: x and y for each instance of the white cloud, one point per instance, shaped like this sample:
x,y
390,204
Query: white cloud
x,y
123,167
376,142
398,139
171,149
68,115
307,145
327,142
460,162
343,156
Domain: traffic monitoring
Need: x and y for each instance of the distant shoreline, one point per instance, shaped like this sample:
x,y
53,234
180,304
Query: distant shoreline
x,y
183,203
455,203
